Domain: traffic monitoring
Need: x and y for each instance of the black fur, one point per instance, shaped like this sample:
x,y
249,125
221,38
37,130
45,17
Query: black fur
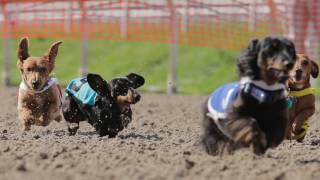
x,y
106,116
250,123
260,50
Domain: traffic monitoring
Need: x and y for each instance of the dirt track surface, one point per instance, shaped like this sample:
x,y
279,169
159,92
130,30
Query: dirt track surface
x,y
160,143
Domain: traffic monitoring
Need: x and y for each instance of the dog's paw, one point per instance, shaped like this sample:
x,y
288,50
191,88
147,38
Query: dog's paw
x,y
26,128
109,134
259,144
73,128
58,118
71,132
210,145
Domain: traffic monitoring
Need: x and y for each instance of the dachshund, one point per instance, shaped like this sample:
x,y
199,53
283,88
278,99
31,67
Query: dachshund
x,y
301,96
106,106
252,112
39,97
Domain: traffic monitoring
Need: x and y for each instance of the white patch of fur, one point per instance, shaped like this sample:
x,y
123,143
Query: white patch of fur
x,y
51,82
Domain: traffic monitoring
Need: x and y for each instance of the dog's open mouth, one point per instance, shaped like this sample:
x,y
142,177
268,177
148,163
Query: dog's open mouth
x,y
127,103
298,77
36,87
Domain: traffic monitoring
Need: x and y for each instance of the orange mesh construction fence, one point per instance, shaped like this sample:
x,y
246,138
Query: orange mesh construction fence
x,y
224,24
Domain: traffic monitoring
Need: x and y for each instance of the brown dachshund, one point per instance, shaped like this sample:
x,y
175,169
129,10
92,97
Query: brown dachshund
x,y
301,96
39,99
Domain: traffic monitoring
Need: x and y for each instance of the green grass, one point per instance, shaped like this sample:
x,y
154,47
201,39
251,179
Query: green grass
x,y
200,69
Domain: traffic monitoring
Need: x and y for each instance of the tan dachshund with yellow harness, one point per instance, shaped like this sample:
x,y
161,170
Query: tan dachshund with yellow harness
x,y
301,96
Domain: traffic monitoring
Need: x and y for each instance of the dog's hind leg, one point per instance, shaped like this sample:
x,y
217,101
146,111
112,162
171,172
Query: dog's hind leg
x,y
213,141
56,114
58,118
246,132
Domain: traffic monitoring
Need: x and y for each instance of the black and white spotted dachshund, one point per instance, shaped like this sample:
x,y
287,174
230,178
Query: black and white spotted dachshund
x,y
106,106
252,112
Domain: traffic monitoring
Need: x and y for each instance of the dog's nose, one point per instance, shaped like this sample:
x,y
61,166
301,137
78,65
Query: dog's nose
x,y
137,97
35,83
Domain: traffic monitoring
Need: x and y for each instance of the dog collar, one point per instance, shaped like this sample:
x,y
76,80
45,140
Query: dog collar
x,y
303,92
262,92
263,85
49,83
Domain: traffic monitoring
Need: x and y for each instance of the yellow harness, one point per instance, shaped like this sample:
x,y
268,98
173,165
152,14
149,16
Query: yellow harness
x,y
304,92
301,93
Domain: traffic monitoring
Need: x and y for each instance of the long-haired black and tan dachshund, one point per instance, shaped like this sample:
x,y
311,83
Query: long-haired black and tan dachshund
x,y
252,112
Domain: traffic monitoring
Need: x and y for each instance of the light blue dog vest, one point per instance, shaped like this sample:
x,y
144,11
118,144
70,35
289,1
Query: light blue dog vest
x,y
81,90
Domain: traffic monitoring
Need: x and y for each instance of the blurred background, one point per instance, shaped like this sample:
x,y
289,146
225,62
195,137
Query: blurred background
x,y
179,46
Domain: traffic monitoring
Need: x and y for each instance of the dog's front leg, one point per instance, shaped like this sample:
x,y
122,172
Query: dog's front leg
x,y
49,112
301,118
26,118
277,130
72,114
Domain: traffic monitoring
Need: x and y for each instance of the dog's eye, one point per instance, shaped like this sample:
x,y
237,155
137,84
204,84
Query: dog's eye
x,y
29,69
305,63
123,92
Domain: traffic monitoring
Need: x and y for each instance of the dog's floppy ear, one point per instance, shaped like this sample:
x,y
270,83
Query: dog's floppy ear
x,y
23,49
291,48
98,84
247,61
314,69
251,52
53,51
136,80
253,47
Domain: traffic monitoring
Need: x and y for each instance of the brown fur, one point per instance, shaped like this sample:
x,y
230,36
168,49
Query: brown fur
x,y
304,107
124,102
37,108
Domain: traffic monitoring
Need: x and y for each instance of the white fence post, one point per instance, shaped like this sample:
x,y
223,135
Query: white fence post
x,y
124,19
174,48
252,16
7,46
84,69
68,18
185,18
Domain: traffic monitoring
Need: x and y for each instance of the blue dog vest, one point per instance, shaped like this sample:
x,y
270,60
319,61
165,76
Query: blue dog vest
x,y
81,90
221,99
